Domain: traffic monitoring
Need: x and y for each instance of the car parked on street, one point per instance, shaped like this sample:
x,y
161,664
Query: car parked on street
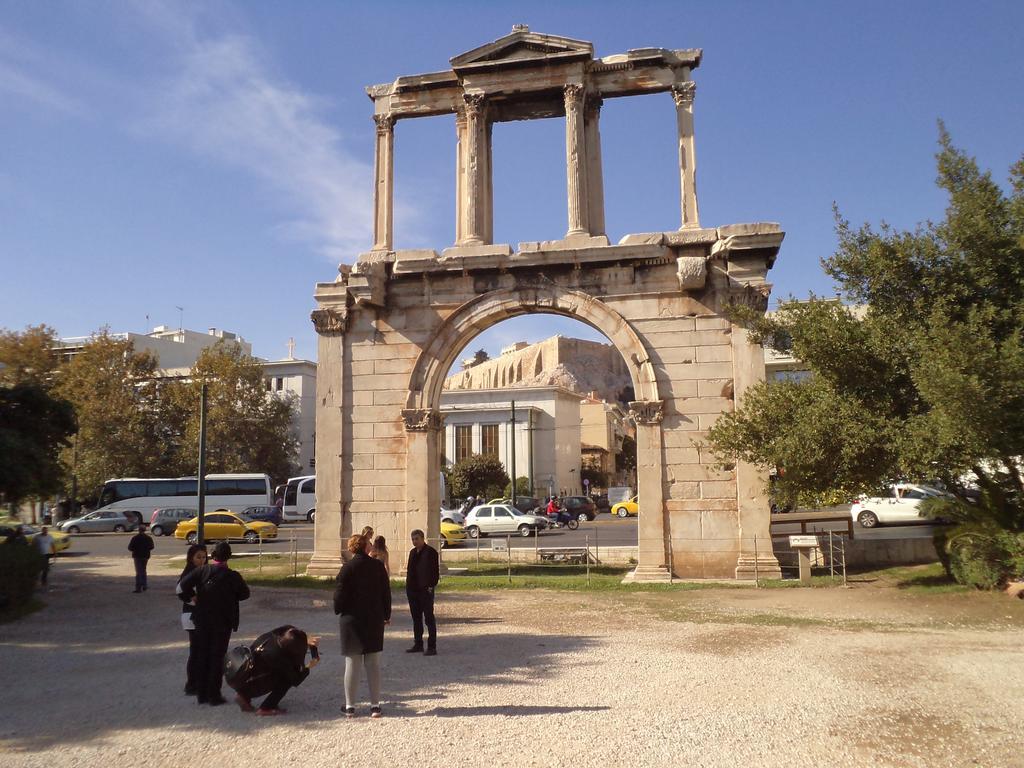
x,y
165,520
221,525
454,516
61,541
580,507
489,519
628,508
452,534
264,514
901,504
602,503
102,521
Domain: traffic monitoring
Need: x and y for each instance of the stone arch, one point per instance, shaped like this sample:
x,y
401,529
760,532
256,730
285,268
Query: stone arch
x,y
485,310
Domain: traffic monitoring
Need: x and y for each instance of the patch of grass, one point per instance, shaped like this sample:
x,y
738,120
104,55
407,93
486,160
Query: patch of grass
x,y
20,612
288,581
928,579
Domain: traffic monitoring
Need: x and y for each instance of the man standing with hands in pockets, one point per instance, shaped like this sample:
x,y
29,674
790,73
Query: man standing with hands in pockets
x,y
421,576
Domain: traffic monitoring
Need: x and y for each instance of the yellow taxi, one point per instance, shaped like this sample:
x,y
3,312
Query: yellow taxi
x,y
452,534
629,508
61,541
221,525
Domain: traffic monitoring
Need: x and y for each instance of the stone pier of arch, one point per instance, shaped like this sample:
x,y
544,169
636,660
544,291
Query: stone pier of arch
x,y
391,327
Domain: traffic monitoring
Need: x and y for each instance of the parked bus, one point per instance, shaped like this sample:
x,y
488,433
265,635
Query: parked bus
x,y
139,497
300,499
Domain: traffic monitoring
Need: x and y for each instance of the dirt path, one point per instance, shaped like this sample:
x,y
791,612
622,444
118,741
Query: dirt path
x,y
862,677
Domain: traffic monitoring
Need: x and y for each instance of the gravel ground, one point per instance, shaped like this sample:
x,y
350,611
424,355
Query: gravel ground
x,y
861,677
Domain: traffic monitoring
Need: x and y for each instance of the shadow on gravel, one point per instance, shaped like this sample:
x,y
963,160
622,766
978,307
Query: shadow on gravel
x,y
100,662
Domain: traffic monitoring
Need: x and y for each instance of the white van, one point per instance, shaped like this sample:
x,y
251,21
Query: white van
x,y
300,499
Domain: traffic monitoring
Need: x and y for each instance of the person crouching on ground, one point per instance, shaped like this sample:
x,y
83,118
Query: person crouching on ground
x,y
278,663
421,576
363,600
194,558
217,591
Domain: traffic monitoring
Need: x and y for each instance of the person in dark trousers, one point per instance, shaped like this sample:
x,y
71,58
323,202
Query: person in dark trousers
x,y
194,558
140,546
421,576
48,549
217,591
278,663
362,598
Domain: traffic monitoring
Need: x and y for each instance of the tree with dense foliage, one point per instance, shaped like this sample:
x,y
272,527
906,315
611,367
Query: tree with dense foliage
x,y
247,428
927,383
478,475
33,428
28,356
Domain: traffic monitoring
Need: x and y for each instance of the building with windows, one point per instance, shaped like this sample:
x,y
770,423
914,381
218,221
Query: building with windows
x,y
603,427
297,377
172,347
547,433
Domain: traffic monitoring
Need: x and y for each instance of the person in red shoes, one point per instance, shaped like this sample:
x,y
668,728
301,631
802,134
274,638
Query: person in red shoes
x,y
278,664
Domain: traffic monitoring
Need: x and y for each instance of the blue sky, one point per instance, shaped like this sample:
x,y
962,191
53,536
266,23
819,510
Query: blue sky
x,y
217,156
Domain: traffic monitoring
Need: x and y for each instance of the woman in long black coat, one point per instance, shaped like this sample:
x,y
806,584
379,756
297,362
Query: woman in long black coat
x,y
362,598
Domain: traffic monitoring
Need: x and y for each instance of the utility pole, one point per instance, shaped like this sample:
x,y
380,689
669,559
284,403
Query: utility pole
x,y
201,501
529,448
513,453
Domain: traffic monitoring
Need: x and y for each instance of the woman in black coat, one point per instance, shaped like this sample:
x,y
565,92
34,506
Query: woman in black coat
x,y
195,558
363,600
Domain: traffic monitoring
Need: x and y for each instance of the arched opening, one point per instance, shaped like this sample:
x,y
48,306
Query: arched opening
x,y
549,455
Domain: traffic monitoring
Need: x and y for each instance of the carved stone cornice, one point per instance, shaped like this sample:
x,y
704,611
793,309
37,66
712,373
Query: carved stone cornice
x,y
692,272
421,420
385,123
649,412
330,321
573,94
475,104
683,93
753,295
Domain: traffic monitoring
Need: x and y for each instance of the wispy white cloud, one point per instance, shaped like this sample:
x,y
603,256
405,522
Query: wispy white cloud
x,y
24,75
224,101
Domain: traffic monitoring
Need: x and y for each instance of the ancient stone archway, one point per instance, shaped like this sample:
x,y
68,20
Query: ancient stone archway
x,y
391,327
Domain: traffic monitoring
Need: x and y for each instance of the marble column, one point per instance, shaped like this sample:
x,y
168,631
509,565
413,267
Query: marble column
x,y
474,190
576,161
422,486
652,553
683,94
595,175
460,173
488,182
384,181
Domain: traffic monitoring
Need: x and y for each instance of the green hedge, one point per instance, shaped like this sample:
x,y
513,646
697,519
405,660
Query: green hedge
x,y
984,560
20,566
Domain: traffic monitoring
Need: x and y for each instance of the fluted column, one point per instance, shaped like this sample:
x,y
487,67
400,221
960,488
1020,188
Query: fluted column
x,y
384,180
595,175
576,161
683,94
460,173
475,202
488,183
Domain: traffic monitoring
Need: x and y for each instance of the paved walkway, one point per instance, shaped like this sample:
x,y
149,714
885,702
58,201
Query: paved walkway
x,y
711,678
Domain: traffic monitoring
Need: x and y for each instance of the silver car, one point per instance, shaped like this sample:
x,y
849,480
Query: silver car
x,y
501,518
99,522
453,516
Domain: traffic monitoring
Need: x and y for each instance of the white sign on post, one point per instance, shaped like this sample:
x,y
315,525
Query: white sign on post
x,y
499,545
804,542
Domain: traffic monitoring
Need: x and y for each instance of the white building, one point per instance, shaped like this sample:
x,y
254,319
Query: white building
x,y
172,347
297,377
547,432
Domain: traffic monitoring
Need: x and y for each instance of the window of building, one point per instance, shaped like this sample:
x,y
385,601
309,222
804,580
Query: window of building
x,y
279,383
489,439
463,441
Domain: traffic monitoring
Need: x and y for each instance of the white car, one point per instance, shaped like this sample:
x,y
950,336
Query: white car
x,y
453,516
502,518
901,505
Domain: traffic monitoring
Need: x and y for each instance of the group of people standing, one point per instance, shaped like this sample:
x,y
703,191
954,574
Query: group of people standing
x,y
211,591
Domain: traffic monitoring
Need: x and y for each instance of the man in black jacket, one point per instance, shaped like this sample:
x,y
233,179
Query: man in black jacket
x,y
140,546
278,664
421,576
217,590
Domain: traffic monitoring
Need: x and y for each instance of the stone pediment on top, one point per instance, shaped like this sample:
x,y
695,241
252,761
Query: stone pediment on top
x,y
521,46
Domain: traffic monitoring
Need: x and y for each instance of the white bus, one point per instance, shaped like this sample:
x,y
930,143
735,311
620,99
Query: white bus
x,y
300,499
139,496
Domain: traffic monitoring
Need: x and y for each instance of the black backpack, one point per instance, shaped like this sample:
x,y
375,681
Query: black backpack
x,y
238,663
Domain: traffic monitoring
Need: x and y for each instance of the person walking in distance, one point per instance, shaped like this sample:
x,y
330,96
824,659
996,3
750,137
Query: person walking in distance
x,y
217,591
140,546
194,558
379,551
421,576
48,549
362,598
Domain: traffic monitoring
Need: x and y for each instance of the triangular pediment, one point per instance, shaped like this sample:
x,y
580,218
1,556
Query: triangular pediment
x,y
523,45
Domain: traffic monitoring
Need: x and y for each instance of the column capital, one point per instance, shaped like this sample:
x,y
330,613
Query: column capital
x,y
573,93
329,322
592,106
385,123
421,420
475,104
649,412
683,93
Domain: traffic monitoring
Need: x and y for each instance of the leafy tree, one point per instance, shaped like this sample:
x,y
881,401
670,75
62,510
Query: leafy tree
x,y
625,460
597,478
119,410
28,356
522,487
247,428
927,383
478,475
33,428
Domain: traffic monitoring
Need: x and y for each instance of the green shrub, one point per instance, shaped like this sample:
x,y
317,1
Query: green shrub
x,y
20,566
